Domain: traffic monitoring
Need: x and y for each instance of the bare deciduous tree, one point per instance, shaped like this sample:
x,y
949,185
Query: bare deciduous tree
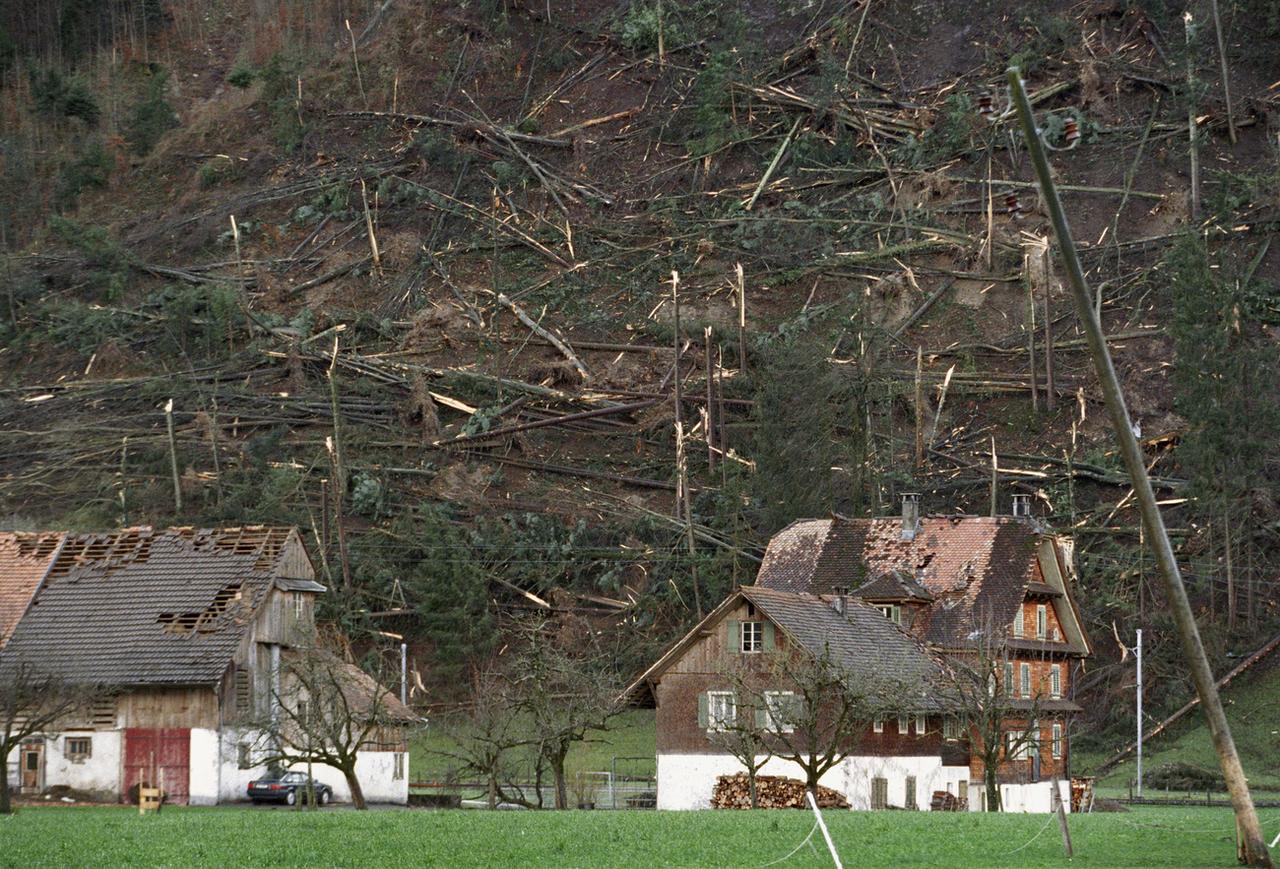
x,y
33,703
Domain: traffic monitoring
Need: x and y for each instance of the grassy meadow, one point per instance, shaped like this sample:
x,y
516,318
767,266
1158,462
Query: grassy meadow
x,y
110,836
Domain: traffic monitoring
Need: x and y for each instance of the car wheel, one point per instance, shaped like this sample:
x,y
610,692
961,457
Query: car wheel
x,y
324,798
291,798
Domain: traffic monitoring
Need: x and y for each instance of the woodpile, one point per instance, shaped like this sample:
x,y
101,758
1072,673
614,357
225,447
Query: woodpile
x,y
773,792
946,802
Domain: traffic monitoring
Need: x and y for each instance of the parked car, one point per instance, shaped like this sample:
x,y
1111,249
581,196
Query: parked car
x,y
288,788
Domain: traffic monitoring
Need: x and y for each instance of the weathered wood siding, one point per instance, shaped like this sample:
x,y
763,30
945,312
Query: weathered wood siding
x,y
168,707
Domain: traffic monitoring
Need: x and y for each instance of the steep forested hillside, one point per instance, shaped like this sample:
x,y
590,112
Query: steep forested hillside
x,y
407,271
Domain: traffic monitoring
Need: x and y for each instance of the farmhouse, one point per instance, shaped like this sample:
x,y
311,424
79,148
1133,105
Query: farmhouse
x,y
188,629
913,600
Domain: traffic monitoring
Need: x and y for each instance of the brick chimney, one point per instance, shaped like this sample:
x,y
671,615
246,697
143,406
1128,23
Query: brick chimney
x,y
910,515
1022,506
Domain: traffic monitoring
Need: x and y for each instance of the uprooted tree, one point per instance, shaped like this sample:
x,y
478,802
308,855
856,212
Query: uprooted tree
x,y
325,710
34,703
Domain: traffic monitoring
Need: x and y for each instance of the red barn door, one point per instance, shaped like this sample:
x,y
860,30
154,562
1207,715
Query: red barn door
x,y
167,751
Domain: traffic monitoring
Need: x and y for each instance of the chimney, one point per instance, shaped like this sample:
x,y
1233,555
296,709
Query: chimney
x,y
1022,506
910,515
840,604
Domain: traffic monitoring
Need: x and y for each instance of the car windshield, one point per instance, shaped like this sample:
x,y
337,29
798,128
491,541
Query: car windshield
x,y
295,778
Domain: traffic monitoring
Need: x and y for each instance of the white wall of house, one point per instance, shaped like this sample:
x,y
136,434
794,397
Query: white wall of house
x,y
205,768
375,769
99,773
686,781
1030,798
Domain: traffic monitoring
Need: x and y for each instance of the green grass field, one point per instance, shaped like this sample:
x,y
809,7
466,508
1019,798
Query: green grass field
x,y
97,837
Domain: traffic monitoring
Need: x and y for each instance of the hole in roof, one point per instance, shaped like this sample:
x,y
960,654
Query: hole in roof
x,y
202,621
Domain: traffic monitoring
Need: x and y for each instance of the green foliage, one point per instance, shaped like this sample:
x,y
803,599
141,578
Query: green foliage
x,y
195,321
151,118
279,94
107,259
637,28
8,51
368,496
948,136
91,168
59,95
242,75
437,148
705,121
80,327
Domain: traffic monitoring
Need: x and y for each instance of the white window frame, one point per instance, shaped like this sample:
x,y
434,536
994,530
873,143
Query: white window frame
x,y
751,637
950,727
397,766
922,725
904,724
1056,744
722,711
1042,621
771,703
1055,681
1024,679
877,724
891,611
1019,626
1009,685
299,605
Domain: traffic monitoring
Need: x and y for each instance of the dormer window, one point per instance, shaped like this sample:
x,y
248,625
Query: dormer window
x,y
1018,629
1042,621
891,611
752,636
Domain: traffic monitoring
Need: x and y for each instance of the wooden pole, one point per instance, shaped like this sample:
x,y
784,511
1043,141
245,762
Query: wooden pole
x,y
368,224
1222,60
682,495
773,165
919,407
995,479
1253,848
711,407
1049,399
1031,329
1060,808
355,57
173,457
1193,141
742,319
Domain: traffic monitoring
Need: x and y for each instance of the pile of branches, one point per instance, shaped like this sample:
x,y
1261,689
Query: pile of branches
x,y
773,792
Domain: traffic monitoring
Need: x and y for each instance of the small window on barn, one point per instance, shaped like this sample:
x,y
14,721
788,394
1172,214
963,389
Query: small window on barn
x,y
244,756
244,691
879,793
904,724
877,724
1055,681
717,710
397,769
1042,622
103,714
1017,624
79,748
892,612
1025,680
909,797
752,636
950,727
781,711
299,606
922,725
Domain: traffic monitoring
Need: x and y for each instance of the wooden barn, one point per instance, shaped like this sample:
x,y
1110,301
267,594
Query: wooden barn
x,y
903,599
187,627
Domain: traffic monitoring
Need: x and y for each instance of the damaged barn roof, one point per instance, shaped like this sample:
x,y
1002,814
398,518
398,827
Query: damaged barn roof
x,y
975,569
24,561
143,606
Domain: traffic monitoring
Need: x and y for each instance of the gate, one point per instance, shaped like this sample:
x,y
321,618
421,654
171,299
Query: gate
x,y
159,757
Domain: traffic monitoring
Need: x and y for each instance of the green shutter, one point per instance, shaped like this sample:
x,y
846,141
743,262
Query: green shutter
x,y
735,644
761,717
768,636
704,716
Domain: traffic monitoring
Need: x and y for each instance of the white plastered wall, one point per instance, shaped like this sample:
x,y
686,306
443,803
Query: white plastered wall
x,y
1029,798
205,769
98,774
375,769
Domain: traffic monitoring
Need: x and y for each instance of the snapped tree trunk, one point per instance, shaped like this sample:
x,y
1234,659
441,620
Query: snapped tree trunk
x,y
357,792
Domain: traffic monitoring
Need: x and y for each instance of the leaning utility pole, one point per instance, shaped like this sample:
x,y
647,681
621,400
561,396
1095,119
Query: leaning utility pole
x,y
1251,848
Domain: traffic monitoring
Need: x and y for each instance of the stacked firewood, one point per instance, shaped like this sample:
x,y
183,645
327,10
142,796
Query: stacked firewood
x,y
772,791
947,802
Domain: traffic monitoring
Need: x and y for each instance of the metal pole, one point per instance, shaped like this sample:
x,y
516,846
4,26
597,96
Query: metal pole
x,y
404,674
1139,653
1252,849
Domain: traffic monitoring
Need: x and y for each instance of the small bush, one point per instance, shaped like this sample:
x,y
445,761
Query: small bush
x,y
279,93
59,95
152,117
1179,776
241,76
90,169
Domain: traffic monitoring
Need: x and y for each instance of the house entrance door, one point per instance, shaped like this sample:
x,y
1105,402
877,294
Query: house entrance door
x,y
32,764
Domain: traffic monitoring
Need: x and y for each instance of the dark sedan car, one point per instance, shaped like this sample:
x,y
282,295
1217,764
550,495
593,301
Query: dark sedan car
x,y
287,788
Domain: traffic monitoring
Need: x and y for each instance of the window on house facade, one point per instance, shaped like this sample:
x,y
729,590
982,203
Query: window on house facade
x,y
1042,621
752,634
1008,680
1056,743
102,714
78,748
879,793
1025,680
722,712
1017,624
1055,681
904,724
922,725
397,768
244,756
909,797
303,712
244,691
781,710
950,727
891,611
877,724
299,605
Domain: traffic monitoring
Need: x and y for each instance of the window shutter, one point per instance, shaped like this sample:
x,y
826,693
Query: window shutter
x,y
735,642
768,636
762,717
704,715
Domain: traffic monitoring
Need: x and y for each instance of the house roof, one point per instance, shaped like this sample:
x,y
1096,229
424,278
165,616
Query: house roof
x,y
143,606
893,585
861,641
358,688
976,569
24,561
